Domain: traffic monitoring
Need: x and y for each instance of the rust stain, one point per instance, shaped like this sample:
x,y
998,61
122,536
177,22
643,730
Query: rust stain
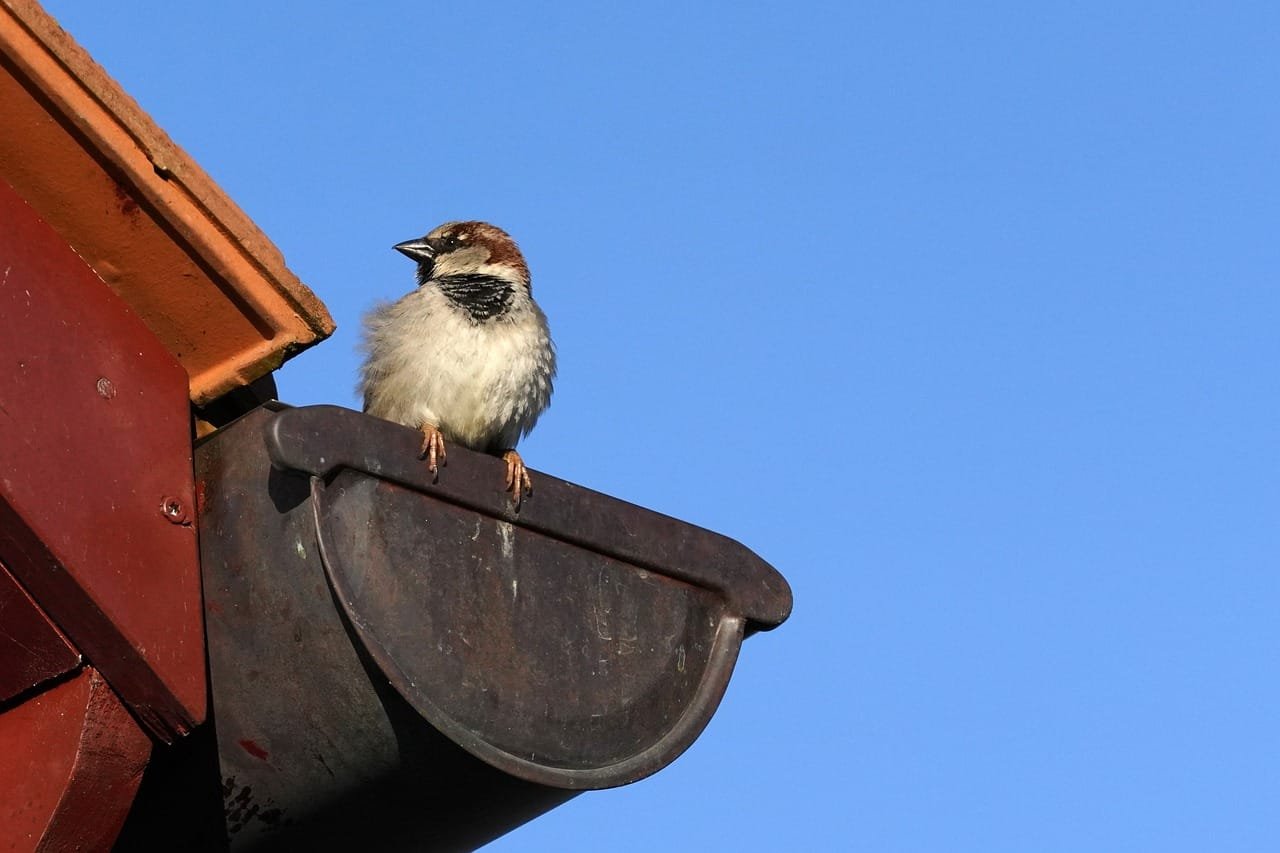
x,y
128,206
253,749
242,808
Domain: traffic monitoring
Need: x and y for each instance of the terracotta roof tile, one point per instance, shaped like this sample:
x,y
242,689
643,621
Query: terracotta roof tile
x,y
138,209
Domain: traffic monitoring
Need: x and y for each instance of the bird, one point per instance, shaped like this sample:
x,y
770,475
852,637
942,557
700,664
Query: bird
x,y
466,356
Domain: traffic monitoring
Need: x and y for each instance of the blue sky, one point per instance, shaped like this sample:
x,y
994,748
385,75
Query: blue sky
x,y
964,316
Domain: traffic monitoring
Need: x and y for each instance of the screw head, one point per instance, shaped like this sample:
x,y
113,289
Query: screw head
x,y
174,510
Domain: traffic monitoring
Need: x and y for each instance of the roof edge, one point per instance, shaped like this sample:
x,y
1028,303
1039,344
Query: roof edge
x,y
187,202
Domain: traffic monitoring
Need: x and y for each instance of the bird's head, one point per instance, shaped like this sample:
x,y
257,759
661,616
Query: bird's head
x,y
467,248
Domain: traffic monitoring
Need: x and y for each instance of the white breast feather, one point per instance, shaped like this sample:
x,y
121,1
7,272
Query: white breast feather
x,y
483,384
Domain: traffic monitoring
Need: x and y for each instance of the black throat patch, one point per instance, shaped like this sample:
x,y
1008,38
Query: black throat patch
x,y
483,296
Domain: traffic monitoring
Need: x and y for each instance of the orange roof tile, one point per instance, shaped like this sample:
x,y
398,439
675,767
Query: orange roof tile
x,y
138,209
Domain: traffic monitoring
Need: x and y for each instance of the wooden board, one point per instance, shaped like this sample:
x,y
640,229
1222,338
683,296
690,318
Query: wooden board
x,y
97,502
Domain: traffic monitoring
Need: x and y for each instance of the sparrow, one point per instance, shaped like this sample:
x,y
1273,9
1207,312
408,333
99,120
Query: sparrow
x,y
467,356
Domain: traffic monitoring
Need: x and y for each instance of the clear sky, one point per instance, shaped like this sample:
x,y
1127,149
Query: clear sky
x,y
964,316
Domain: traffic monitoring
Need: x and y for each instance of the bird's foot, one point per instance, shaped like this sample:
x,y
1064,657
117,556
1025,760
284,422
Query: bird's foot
x,y
518,482
432,447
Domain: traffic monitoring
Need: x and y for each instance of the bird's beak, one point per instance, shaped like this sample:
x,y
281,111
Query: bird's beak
x,y
422,252
419,250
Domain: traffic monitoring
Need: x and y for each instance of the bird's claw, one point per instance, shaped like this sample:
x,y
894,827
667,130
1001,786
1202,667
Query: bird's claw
x,y
518,481
432,447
